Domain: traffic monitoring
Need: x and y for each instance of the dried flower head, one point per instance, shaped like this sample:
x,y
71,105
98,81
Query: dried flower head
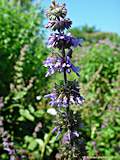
x,y
56,11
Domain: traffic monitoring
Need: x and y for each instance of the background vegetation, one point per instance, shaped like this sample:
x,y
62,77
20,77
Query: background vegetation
x,y
23,110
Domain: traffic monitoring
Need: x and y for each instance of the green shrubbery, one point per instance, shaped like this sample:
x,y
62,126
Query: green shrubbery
x,y
22,82
100,76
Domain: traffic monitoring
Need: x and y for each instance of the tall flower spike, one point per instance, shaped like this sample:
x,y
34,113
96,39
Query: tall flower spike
x,y
67,92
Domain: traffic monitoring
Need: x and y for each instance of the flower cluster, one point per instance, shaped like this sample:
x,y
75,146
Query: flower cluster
x,y
69,135
58,64
58,40
8,145
62,96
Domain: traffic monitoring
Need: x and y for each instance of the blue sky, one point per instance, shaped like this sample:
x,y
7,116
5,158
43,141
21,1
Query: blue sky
x,y
103,14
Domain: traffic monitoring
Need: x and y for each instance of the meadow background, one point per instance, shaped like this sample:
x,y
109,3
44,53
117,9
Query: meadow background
x,y
24,112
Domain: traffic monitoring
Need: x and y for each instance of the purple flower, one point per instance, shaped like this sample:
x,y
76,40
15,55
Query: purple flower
x,y
55,129
53,64
65,94
70,65
57,100
52,96
12,157
62,101
59,40
58,133
57,64
58,129
70,135
85,158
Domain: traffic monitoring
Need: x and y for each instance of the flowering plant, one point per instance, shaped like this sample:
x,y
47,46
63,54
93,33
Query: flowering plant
x,y
66,93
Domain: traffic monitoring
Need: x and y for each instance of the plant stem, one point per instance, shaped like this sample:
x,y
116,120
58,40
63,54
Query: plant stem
x,y
68,107
65,75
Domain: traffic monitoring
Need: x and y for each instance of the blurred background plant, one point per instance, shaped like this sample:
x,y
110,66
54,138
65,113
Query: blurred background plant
x,y
24,115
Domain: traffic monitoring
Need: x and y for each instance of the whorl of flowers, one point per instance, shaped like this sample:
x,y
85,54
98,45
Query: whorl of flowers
x,y
63,93
67,92
55,64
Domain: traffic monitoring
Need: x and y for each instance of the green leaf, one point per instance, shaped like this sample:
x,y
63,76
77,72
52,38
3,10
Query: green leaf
x,y
19,95
40,142
32,145
39,113
46,137
31,109
26,114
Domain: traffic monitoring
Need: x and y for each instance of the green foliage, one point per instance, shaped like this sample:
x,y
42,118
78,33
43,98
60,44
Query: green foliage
x,y
17,28
100,74
22,52
91,35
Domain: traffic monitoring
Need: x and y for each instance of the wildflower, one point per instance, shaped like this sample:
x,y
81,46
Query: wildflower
x,y
57,100
70,135
59,40
57,64
51,95
66,94
70,65
53,64
58,133
55,129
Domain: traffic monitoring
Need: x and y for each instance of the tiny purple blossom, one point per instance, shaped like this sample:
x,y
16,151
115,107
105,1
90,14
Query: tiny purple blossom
x,y
57,100
54,129
59,132
69,136
51,95
53,64
7,144
74,69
